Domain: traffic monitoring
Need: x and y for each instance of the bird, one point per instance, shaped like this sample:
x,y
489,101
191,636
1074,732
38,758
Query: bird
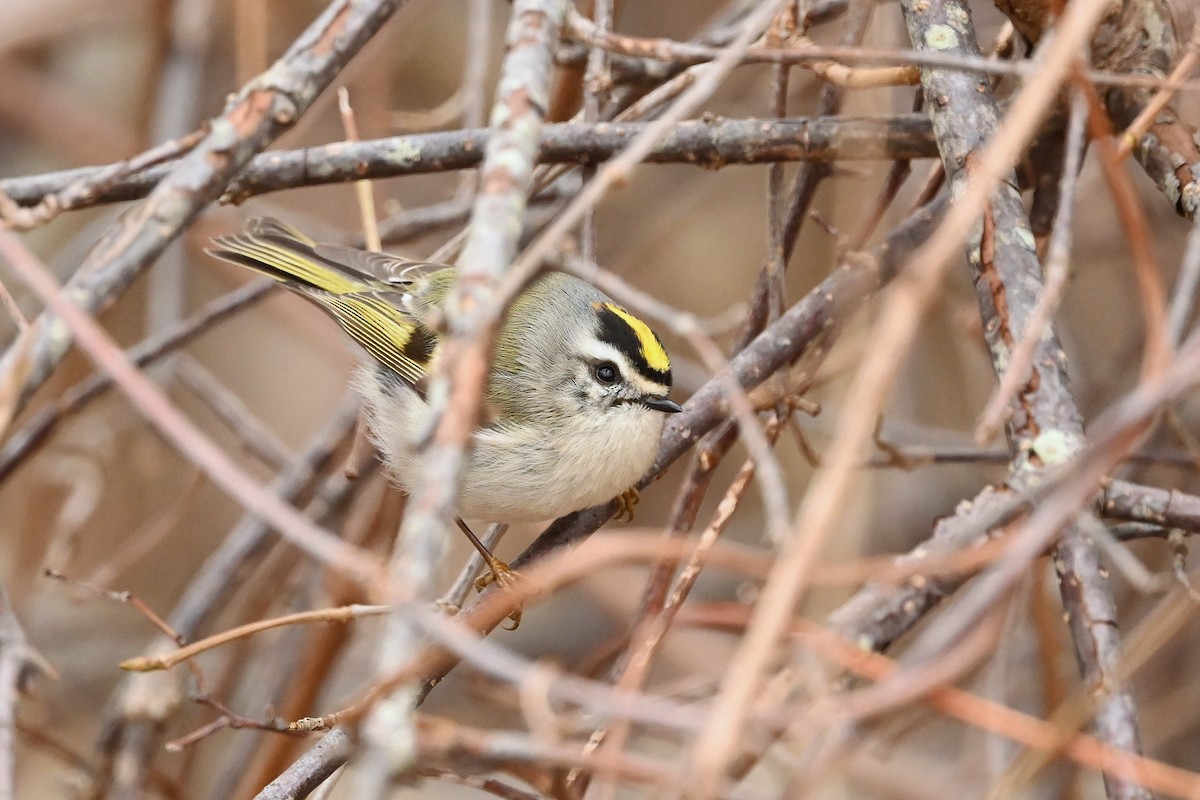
x,y
575,399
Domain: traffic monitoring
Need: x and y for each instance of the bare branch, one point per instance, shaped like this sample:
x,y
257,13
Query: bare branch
x,y
708,143
471,314
264,109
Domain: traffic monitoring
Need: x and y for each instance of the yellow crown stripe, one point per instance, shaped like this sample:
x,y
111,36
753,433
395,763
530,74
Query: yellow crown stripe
x,y
652,349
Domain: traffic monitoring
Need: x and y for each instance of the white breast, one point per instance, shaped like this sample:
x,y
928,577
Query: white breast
x,y
521,474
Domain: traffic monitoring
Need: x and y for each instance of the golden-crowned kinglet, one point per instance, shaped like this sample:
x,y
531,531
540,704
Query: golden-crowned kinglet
x,y
574,403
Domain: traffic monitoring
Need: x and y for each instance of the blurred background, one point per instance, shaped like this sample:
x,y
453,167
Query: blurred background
x,y
108,502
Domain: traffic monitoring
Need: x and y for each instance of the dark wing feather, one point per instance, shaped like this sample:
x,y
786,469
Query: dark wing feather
x,y
364,292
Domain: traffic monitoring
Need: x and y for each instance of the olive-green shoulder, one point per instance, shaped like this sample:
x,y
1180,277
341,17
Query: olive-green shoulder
x,y
429,290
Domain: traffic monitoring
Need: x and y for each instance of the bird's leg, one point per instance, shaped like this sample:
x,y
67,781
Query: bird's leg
x,y
500,573
626,503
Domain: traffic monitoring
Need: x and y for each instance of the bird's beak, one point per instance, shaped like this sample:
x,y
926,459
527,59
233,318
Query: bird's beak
x,y
663,404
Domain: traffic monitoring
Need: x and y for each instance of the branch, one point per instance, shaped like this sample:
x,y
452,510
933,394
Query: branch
x,y
708,143
1142,37
259,113
1045,426
311,769
23,443
1134,502
826,308
813,321
1145,38
132,732
17,662
522,97
152,403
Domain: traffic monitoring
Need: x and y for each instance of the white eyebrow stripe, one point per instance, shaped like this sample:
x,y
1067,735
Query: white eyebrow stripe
x,y
603,351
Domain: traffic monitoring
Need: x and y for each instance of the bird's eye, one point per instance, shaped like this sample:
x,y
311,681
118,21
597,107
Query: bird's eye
x,y
607,372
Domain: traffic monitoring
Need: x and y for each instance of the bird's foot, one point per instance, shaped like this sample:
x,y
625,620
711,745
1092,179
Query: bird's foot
x,y
627,501
506,578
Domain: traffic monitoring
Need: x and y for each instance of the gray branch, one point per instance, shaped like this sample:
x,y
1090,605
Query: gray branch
x,y
1045,426
708,143
256,116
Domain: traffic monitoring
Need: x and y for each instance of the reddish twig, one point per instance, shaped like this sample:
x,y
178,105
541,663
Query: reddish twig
x,y
152,403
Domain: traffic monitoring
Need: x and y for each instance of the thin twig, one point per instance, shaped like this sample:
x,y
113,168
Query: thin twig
x,y
183,433
1184,295
258,114
596,81
649,635
690,54
460,589
170,660
25,441
362,188
1183,69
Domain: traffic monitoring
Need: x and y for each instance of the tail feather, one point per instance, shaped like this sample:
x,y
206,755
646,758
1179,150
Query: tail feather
x,y
269,226
288,256
342,282
279,251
